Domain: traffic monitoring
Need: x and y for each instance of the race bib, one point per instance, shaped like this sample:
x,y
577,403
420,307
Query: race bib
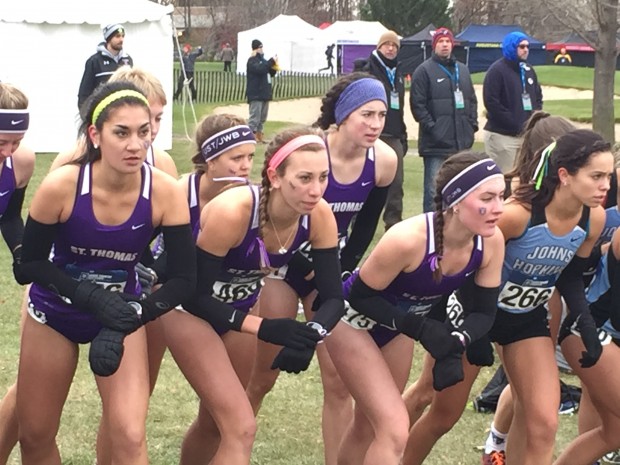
x,y
454,311
110,280
234,292
517,298
357,320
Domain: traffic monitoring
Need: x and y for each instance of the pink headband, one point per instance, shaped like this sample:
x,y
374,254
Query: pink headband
x,y
293,145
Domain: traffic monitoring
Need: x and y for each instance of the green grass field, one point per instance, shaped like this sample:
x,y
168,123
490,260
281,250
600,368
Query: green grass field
x,y
289,422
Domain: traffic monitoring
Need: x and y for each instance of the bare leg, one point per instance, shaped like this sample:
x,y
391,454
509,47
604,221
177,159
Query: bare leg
x,y
45,357
420,394
446,409
530,365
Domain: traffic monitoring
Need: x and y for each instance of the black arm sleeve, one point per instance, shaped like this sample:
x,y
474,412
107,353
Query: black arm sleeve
x,y
36,266
203,304
614,289
12,224
299,263
570,285
180,269
329,284
363,229
369,302
480,316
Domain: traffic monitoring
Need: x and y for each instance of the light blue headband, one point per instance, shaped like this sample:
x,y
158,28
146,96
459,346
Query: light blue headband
x,y
357,94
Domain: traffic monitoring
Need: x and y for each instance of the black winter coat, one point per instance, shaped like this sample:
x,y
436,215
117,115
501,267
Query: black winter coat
x,y
258,85
394,120
444,129
502,94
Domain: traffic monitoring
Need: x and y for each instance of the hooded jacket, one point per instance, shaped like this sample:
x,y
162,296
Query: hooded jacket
x,y
444,129
503,90
98,69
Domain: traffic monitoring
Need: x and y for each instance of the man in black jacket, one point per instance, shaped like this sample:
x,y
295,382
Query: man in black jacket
x,y
511,93
382,65
258,90
444,104
100,66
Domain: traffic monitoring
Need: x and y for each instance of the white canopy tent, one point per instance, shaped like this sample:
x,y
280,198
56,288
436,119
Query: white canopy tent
x,y
353,32
46,45
294,41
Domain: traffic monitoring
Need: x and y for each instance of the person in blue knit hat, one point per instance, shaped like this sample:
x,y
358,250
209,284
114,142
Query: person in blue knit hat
x,y
511,93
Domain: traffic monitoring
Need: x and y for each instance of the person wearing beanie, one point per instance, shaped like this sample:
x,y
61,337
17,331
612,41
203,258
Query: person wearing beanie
x,y
382,64
258,87
444,104
102,64
511,93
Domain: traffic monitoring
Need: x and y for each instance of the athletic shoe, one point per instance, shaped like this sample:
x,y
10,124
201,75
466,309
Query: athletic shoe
x,y
611,458
568,407
497,457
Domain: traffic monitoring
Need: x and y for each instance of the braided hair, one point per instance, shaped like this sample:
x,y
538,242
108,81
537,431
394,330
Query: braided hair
x,y
448,170
279,141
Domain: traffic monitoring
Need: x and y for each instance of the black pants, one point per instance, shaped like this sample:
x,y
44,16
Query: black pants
x,y
227,66
179,90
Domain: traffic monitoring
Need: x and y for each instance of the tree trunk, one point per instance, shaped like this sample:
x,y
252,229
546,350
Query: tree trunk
x,y
603,118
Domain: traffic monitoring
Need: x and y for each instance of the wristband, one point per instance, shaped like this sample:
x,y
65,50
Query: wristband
x,y
461,337
318,327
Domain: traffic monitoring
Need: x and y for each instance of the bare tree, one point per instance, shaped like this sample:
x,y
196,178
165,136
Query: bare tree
x,y
602,16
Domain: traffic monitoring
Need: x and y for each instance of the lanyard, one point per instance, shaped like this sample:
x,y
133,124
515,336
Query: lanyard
x,y
521,68
391,72
454,77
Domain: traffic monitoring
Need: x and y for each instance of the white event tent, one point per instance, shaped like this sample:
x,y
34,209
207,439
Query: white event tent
x,y
293,40
45,46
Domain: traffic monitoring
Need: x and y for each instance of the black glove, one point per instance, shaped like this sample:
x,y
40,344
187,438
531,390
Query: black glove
x,y
480,352
108,307
589,336
17,261
146,277
106,352
289,333
434,336
447,372
293,360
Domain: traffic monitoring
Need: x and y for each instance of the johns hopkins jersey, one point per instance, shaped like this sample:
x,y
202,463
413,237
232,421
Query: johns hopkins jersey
x,y
241,277
612,221
416,291
346,200
534,261
87,249
193,198
7,184
600,295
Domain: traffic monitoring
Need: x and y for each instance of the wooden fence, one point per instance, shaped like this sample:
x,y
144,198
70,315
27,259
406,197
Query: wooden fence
x,y
221,87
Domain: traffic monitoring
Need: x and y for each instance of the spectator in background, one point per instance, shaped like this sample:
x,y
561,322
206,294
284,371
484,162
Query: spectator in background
x,y
100,66
511,93
444,103
189,61
382,65
228,55
562,58
329,56
258,90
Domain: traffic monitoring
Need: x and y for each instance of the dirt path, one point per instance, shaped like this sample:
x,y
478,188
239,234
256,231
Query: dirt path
x,y
305,111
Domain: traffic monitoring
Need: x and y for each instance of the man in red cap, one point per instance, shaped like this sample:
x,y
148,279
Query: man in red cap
x,y
444,104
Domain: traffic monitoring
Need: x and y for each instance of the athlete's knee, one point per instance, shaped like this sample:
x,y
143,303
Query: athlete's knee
x,y
241,432
36,437
541,428
394,436
128,440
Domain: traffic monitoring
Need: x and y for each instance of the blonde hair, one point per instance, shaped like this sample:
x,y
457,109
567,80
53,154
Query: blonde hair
x,y
146,82
11,98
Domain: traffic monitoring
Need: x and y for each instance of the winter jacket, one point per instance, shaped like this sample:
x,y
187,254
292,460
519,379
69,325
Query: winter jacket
x,y
443,128
98,69
503,96
259,72
394,120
